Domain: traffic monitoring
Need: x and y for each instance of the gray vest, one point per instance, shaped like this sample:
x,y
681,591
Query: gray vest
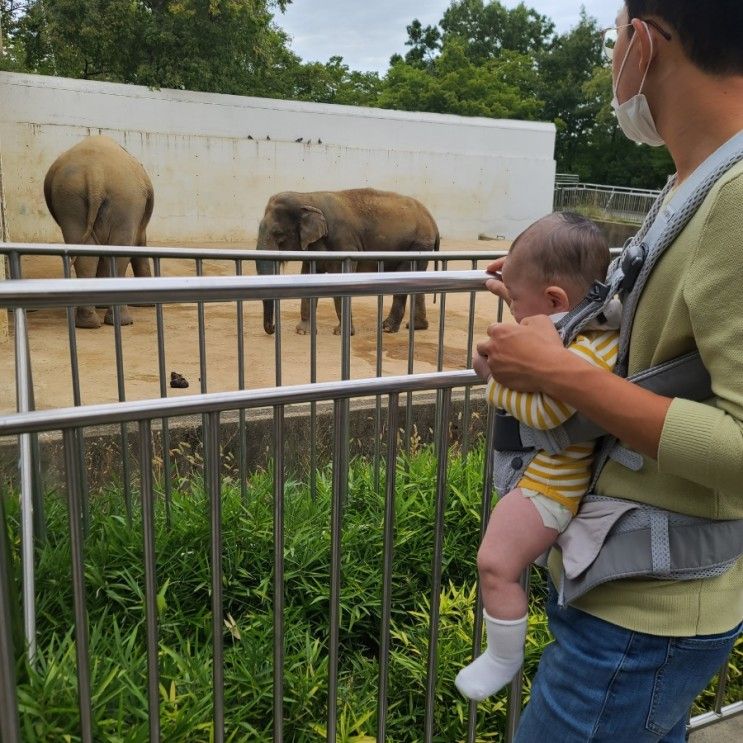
x,y
612,538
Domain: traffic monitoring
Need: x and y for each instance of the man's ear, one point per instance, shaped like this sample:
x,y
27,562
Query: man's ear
x,y
645,42
558,299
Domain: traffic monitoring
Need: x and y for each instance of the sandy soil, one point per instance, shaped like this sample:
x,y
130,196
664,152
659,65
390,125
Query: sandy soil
x,y
51,360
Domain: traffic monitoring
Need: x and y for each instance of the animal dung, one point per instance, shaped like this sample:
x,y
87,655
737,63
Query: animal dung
x,y
178,381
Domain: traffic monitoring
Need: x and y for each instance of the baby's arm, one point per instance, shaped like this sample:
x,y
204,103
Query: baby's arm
x,y
535,409
540,411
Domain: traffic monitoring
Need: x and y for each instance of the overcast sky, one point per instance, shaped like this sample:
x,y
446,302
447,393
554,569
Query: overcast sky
x,y
366,33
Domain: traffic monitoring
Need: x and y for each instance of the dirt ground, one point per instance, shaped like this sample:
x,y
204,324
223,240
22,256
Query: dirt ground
x,y
50,357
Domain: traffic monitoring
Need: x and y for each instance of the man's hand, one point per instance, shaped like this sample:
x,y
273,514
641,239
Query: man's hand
x,y
522,356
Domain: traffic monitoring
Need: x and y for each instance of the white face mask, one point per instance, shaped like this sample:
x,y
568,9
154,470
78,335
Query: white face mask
x,y
634,116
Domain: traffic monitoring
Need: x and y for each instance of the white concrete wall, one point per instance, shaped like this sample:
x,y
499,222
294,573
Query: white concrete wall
x,y
211,182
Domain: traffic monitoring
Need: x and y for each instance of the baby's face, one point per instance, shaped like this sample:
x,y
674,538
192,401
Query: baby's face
x,y
528,296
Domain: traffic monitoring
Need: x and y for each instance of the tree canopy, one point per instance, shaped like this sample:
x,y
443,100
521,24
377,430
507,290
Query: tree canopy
x,y
481,59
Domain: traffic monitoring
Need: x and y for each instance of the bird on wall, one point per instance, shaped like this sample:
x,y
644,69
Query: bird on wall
x,y
298,139
268,139
250,136
319,141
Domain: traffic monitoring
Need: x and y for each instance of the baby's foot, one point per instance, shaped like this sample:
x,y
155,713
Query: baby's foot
x,y
486,675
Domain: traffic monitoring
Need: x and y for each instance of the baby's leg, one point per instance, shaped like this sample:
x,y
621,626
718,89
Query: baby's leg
x,y
515,536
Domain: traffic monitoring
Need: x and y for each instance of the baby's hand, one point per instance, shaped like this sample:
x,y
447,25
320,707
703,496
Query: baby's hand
x,y
480,365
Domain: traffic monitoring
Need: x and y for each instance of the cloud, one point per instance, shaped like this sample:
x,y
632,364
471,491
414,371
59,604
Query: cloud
x,y
366,34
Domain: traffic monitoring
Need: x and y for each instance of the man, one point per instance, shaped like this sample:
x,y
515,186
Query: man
x,y
630,656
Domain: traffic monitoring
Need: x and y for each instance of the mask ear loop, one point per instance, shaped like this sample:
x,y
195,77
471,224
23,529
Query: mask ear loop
x,y
650,58
626,57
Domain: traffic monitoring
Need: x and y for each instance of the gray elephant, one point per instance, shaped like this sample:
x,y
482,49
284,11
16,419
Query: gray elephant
x,y
358,220
100,195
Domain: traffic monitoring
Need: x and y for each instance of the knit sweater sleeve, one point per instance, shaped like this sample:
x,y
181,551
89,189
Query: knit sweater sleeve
x,y
700,442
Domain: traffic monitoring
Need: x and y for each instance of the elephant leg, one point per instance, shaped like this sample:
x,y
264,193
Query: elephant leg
x,y
141,267
392,322
339,313
85,268
304,325
420,321
124,317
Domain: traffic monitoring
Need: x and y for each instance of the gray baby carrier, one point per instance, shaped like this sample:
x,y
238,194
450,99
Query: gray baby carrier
x,y
611,538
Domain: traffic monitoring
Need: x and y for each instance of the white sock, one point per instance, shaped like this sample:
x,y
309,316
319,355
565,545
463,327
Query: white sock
x,y
499,663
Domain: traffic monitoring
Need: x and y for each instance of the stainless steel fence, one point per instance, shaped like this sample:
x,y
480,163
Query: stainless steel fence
x,y
25,295
608,202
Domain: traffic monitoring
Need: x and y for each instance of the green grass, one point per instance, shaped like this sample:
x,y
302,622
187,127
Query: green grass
x,y
114,574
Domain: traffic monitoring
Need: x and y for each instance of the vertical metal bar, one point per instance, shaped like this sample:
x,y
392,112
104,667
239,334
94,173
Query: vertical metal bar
x,y
313,379
9,724
22,372
277,332
438,545
121,386
167,474
211,462
243,449
516,687
346,330
278,573
37,489
340,491
440,352
378,398
75,372
150,578
389,530
411,356
487,497
74,506
722,686
202,332
468,361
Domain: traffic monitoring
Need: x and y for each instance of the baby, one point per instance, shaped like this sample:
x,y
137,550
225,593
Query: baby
x,y
549,270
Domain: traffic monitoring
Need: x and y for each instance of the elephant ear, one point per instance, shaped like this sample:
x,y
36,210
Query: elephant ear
x,y
312,226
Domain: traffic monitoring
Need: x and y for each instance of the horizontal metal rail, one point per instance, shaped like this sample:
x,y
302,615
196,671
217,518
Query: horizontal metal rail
x,y
61,249
212,402
42,293
705,719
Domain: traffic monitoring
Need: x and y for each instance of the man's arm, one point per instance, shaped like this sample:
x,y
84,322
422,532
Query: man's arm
x,y
530,357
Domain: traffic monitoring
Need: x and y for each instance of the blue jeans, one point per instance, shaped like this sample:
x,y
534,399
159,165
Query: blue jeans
x,y
600,682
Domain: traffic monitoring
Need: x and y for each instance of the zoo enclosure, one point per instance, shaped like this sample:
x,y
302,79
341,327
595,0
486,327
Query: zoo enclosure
x,y
24,295
608,202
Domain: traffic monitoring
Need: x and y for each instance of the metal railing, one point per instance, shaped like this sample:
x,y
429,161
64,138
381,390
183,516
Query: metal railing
x,y
609,202
23,295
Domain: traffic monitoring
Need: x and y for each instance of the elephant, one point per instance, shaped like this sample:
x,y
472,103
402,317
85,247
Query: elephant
x,y
361,219
100,195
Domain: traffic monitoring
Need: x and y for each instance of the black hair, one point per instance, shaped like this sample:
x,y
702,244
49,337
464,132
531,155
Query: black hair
x,y
565,246
710,32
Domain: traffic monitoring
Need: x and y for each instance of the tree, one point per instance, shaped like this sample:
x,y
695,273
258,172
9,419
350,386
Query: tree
x,y
500,88
214,45
489,28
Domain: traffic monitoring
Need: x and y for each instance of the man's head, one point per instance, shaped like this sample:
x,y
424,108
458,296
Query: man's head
x,y
710,33
552,264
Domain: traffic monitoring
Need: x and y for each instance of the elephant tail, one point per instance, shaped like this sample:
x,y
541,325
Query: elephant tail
x,y
95,201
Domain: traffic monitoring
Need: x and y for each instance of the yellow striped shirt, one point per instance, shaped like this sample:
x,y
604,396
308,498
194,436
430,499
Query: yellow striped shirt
x,y
564,476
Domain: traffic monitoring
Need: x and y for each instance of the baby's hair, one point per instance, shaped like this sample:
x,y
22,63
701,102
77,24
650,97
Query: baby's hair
x,y
564,246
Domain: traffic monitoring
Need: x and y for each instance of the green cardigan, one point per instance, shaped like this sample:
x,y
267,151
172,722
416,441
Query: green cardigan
x,y
693,299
